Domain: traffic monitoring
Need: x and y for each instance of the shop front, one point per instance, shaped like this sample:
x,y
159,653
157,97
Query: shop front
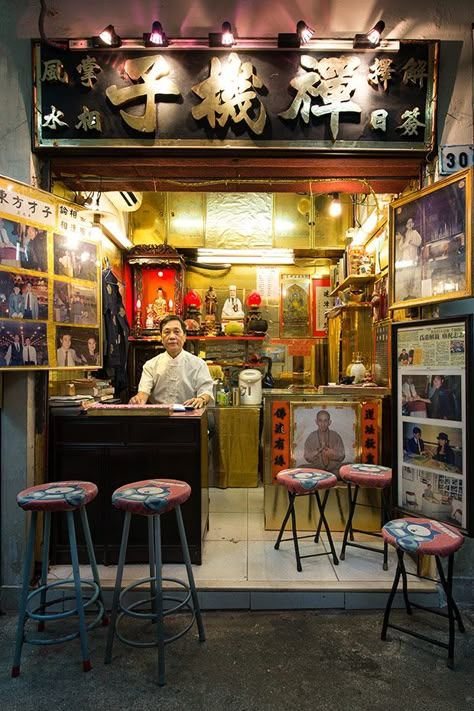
x,y
255,172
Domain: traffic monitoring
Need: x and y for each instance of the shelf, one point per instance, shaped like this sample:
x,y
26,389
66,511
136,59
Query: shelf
x,y
225,338
354,280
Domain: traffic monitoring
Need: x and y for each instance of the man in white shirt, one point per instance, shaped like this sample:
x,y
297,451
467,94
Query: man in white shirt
x,y
65,355
176,376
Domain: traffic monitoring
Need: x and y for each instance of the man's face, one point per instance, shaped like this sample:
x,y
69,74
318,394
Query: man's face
x,y
232,293
66,342
416,435
323,422
173,338
410,224
27,341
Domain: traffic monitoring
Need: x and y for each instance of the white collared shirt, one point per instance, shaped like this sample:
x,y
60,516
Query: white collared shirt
x,y
175,380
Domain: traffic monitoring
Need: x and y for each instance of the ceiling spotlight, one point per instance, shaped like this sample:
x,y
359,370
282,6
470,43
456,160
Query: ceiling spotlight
x,y
371,39
107,38
295,39
335,208
225,38
157,37
304,31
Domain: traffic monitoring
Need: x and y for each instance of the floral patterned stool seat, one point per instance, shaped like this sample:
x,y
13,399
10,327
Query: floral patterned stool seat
x,y
304,481
151,498
371,476
428,537
67,497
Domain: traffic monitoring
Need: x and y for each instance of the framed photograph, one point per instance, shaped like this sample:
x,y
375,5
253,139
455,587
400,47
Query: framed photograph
x,y
295,306
23,344
431,243
75,258
430,365
23,296
325,435
76,346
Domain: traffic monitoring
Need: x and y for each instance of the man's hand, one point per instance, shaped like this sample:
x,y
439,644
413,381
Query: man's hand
x,y
139,399
197,402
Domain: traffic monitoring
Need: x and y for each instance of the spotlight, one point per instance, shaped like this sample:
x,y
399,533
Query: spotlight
x,y
107,38
371,39
295,39
304,31
225,38
335,208
155,38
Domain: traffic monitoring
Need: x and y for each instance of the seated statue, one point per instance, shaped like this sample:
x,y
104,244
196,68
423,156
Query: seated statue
x,y
160,307
232,309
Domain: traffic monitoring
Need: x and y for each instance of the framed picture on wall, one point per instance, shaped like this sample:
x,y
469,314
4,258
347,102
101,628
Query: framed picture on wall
x,y
295,306
430,365
431,243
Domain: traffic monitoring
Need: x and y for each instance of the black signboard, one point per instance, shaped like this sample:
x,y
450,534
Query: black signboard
x,y
350,100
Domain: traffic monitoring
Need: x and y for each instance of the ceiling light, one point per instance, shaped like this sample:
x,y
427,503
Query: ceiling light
x,y
305,31
295,39
107,38
371,39
157,37
246,256
335,208
225,38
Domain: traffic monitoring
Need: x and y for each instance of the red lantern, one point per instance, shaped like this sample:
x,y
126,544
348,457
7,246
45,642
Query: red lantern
x,y
192,298
254,299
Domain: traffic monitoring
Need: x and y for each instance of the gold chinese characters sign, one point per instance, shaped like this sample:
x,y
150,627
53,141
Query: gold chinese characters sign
x,y
243,98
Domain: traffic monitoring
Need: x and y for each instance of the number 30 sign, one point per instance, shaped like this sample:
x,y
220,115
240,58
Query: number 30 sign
x,y
454,158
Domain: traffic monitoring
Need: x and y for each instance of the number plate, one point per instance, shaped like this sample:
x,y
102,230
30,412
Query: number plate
x,y
454,158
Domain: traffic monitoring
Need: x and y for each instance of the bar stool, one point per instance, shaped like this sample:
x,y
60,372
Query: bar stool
x,y
151,498
372,476
304,481
428,537
67,496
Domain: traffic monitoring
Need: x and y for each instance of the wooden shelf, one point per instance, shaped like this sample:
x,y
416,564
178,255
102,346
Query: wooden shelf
x,y
354,280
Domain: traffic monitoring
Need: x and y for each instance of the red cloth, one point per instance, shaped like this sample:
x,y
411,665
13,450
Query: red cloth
x,y
57,496
151,496
423,535
373,476
304,480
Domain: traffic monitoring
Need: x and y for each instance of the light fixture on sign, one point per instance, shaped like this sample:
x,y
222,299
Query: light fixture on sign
x,y
157,37
371,39
107,38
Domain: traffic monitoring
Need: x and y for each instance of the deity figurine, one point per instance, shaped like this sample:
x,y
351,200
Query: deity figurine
x,y
211,301
160,307
149,323
232,309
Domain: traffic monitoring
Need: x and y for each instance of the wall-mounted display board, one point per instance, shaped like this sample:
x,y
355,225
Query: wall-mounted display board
x,y
431,388
49,282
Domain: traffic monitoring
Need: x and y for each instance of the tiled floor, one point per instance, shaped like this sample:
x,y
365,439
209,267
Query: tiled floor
x,y
239,557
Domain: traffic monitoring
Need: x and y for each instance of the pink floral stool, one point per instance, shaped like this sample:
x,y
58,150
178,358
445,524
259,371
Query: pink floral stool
x,y
152,498
428,537
66,497
303,481
366,476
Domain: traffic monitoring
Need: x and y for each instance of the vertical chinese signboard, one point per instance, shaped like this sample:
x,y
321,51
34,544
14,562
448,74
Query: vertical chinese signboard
x,y
49,288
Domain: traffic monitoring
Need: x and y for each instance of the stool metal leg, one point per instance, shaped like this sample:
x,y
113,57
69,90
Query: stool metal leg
x,y
24,595
44,566
151,556
92,561
348,529
453,612
158,601
390,600
86,663
321,507
117,588
189,570
290,512
404,581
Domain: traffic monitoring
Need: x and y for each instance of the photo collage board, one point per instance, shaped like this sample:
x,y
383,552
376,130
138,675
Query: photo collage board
x,y
49,282
430,365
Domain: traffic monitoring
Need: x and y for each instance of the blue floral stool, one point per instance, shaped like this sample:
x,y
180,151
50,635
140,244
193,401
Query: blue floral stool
x,y
304,482
67,497
428,537
151,498
369,476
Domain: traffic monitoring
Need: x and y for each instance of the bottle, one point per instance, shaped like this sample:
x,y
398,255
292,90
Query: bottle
x,y
222,394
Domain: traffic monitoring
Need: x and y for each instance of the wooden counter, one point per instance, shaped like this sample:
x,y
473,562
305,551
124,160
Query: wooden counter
x,y
113,451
